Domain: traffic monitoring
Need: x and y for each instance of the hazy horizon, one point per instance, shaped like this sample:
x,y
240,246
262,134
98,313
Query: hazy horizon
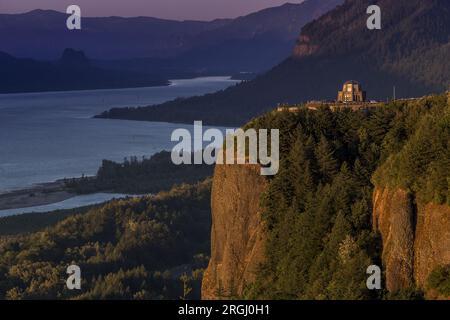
x,y
165,9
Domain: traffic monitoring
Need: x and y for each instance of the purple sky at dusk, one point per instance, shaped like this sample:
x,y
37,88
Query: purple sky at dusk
x,y
170,9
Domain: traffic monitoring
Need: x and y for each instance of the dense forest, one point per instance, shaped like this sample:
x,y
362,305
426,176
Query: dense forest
x,y
32,222
135,176
318,207
153,247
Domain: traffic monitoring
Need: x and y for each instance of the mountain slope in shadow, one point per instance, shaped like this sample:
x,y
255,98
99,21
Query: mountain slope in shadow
x,y
410,53
251,43
72,72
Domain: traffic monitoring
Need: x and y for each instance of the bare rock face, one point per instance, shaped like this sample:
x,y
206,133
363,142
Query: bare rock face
x,y
432,245
415,240
304,47
238,235
393,217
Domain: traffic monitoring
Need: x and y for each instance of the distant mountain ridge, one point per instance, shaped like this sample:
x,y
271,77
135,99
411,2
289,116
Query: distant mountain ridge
x,y
73,71
255,42
410,52
42,34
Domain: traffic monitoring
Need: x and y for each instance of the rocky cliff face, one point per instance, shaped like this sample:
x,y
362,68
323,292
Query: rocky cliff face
x,y
237,236
393,217
432,242
416,239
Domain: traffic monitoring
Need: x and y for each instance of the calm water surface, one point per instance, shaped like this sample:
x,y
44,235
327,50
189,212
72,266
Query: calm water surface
x,y
50,136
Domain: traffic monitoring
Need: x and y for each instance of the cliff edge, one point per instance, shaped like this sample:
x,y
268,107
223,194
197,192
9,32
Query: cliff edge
x,y
416,238
237,235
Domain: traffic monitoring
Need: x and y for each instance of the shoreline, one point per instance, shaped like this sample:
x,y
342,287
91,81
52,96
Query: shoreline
x,y
37,195
162,84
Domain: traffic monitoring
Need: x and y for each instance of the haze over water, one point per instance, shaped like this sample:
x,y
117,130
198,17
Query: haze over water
x,y
50,136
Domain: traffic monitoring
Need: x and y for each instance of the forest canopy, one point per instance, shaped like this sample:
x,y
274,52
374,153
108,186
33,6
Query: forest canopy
x,y
318,207
153,247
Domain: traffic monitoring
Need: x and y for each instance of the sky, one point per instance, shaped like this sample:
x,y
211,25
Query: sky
x,y
168,9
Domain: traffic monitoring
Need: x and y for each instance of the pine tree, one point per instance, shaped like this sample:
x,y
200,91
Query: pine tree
x,y
325,159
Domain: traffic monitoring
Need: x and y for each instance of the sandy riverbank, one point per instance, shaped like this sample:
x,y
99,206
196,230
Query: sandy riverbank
x,y
38,195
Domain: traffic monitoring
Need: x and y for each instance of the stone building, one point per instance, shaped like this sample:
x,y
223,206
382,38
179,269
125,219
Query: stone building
x,y
351,97
351,92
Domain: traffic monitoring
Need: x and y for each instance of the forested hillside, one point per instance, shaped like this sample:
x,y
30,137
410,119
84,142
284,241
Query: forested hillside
x,y
146,248
135,176
318,208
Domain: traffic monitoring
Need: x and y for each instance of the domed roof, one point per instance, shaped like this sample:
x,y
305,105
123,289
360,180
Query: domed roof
x,y
351,82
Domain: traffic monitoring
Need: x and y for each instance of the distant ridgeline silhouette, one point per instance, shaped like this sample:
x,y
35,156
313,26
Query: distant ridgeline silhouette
x,y
410,52
74,58
72,72
252,43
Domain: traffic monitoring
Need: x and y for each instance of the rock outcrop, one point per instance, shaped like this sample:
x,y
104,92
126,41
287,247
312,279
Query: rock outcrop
x,y
416,239
432,245
393,217
237,236
304,47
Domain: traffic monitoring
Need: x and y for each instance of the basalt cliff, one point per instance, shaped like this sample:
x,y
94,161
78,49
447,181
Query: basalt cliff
x,y
416,238
238,235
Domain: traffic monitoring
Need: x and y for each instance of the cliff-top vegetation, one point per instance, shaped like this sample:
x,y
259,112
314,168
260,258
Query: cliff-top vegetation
x,y
318,208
